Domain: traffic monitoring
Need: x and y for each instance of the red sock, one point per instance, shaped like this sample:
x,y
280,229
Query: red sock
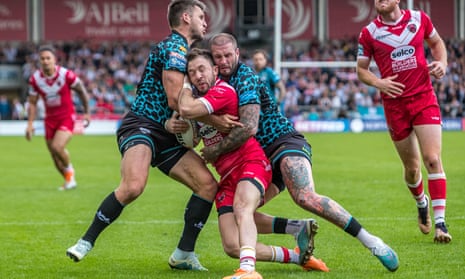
x,y
437,187
417,191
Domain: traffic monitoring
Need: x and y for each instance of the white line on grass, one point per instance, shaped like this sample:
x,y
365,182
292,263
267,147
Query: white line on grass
x,y
148,222
175,222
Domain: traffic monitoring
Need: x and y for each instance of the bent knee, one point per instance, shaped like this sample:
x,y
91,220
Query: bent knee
x,y
210,185
127,192
309,201
231,250
412,171
206,189
56,148
303,197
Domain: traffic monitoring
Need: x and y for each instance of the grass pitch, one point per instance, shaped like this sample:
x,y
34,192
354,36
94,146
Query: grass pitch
x,y
360,171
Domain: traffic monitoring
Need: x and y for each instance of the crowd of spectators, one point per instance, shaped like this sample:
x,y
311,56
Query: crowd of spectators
x,y
111,71
332,93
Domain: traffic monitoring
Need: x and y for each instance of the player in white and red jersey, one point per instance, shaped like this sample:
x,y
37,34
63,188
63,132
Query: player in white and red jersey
x,y
395,41
245,172
53,84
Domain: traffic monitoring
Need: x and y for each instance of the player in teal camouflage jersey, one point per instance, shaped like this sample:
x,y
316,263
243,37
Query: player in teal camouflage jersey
x,y
146,138
287,149
268,76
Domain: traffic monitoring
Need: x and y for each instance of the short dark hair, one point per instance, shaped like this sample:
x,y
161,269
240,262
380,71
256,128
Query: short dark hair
x,y
50,48
262,51
200,52
177,7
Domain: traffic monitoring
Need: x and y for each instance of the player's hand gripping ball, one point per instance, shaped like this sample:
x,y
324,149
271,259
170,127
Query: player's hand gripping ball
x,y
190,138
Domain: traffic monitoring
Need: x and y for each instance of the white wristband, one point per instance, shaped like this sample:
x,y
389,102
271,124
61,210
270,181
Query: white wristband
x,y
187,85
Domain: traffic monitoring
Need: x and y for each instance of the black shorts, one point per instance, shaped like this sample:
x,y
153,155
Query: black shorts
x,y
166,150
289,145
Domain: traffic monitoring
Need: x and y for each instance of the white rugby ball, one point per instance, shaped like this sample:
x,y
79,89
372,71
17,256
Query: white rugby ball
x,y
189,138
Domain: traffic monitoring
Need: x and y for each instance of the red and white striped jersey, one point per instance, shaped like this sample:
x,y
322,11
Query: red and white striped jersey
x,y
55,91
398,48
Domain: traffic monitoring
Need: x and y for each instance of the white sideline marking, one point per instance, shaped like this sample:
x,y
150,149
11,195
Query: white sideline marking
x,y
148,222
175,222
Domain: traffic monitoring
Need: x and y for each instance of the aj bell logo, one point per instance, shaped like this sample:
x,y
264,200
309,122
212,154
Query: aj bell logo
x,y
106,13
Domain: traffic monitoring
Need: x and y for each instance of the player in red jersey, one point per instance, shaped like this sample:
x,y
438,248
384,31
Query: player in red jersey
x,y
245,172
395,41
54,84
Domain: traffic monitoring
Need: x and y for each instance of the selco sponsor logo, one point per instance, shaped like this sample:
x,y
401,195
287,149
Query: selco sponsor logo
x,y
207,131
210,135
402,53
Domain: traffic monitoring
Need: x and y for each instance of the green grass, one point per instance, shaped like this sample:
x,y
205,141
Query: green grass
x,y
360,171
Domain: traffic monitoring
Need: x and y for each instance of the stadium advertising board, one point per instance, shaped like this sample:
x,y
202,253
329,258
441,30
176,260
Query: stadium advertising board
x,y
452,124
146,20
109,127
361,125
97,127
13,20
121,20
297,21
346,18
318,126
104,20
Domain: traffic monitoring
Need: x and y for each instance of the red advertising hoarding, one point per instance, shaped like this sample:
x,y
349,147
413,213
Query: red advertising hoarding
x,y
297,21
346,18
120,20
146,19
13,21
104,20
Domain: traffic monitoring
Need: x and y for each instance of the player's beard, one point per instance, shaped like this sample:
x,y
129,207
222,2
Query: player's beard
x,y
386,11
196,35
48,69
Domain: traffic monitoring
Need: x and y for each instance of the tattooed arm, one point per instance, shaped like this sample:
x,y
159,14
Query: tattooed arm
x,y
223,123
249,115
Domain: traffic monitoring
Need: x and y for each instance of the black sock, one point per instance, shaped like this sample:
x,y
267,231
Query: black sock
x,y
195,217
279,225
108,212
353,228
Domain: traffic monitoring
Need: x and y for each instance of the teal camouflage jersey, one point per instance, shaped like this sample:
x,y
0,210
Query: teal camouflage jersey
x,y
151,101
272,124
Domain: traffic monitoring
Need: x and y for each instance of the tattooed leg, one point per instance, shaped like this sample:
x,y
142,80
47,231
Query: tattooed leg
x,y
297,175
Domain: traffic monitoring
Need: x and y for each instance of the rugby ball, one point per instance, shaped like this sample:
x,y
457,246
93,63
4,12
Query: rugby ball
x,y
189,138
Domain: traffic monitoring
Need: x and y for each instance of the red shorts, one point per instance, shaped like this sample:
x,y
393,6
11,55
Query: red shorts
x,y
61,124
404,113
257,171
